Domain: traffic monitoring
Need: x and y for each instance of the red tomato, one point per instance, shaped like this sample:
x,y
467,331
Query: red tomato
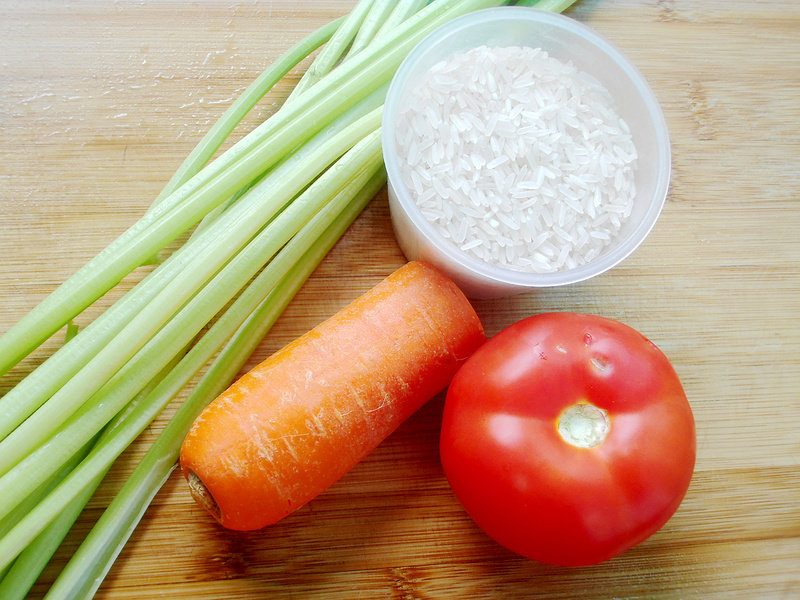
x,y
568,438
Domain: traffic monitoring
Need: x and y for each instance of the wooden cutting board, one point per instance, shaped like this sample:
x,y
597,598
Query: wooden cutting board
x,y
101,101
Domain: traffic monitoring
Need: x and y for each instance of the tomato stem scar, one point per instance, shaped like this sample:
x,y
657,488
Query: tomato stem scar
x,y
584,425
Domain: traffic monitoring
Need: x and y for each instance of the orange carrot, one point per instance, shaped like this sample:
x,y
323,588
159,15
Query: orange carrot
x,y
300,420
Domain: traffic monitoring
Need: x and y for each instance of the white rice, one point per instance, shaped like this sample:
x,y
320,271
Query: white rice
x,y
518,158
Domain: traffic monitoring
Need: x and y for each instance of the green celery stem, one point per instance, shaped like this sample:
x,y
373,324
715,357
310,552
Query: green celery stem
x,y
176,332
95,556
222,129
362,161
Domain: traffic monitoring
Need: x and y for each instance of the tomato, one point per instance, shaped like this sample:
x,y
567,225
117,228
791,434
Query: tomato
x,y
568,438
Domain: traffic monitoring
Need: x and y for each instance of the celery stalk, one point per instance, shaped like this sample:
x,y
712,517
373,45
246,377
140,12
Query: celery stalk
x,y
333,51
133,248
33,391
254,154
9,521
199,156
401,12
181,328
22,573
89,565
378,14
35,496
550,5
45,540
356,170
225,125
222,129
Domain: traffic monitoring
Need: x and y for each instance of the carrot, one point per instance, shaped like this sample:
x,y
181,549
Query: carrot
x,y
297,422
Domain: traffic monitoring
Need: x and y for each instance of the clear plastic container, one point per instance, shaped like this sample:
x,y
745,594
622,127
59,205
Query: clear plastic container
x,y
567,40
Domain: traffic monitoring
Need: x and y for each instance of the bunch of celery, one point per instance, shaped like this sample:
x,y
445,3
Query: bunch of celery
x,y
263,216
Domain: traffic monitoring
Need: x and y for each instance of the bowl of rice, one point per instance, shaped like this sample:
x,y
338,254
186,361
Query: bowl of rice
x,y
522,150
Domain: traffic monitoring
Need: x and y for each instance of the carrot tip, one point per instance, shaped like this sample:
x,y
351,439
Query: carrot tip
x,y
201,494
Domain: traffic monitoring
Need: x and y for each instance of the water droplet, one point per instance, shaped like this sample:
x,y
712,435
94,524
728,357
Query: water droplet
x,y
587,338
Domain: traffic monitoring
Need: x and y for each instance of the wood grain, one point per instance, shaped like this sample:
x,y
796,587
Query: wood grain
x,y
100,102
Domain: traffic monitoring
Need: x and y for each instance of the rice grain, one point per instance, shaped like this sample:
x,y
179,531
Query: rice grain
x,y
518,158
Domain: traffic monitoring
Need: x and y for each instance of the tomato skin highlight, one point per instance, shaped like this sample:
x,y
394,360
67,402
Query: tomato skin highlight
x,y
523,483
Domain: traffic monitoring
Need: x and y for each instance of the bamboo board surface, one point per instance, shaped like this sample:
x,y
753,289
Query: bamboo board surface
x,y
99,104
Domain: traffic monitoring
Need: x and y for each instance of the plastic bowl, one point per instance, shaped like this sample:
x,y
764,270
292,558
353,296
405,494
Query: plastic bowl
x,y
567,40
